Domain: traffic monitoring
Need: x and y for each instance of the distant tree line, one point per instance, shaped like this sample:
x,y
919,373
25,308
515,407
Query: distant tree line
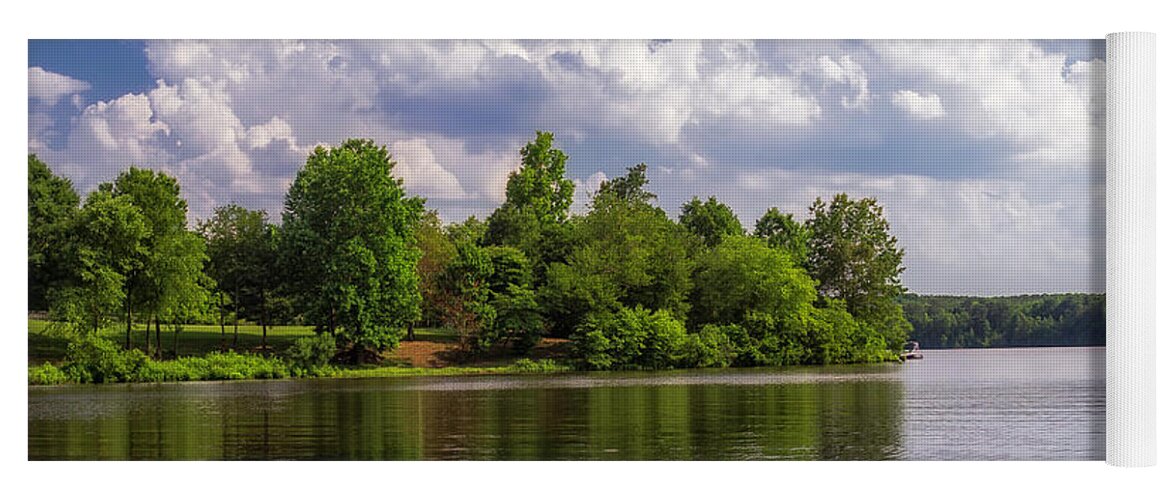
x,y
1021,321
365,263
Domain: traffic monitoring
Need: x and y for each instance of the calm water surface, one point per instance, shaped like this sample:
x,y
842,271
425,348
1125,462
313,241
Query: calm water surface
x,y
996,404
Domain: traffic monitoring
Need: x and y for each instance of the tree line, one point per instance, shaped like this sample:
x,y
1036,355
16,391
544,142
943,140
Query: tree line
x,y
1022,321
365,263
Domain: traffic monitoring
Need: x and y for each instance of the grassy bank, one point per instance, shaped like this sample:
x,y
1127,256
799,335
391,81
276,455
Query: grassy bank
x,y
200,352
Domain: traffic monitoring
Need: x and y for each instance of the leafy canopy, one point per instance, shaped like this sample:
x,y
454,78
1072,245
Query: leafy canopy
x,y
348,243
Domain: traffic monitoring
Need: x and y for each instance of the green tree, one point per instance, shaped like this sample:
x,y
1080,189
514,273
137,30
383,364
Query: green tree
x,y
536,205
348,242
488,299
107,244
630,188
784,232
855,259
470,231
163,281
625,253
436,253
242,250
711,220
52,204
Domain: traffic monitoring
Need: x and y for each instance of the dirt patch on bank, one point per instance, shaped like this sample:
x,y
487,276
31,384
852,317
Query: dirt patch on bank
x,y
438,354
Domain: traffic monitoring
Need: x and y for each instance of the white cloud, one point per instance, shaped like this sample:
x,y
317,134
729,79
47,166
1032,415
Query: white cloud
x,y
1011,90
48,87
925,106
422,174
841,70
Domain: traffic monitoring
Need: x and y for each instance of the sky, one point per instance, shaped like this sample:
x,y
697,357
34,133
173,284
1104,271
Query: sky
x,y
986,155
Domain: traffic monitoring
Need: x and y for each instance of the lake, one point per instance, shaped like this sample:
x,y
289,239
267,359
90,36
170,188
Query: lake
x,y
991,404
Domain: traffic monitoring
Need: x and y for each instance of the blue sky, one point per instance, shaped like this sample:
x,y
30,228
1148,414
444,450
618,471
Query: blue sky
x,y
985,154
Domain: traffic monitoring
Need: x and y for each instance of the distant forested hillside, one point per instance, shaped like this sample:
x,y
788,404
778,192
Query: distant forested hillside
x,y
1028,320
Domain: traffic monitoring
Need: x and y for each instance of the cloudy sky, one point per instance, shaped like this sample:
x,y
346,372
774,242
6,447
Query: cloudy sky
x,y
985,154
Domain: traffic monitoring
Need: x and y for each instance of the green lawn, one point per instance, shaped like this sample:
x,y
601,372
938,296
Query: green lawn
x,y
46,341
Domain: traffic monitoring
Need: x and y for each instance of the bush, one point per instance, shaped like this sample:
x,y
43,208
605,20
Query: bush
x,y
215,366
632,339
92,358
526,365
46,374
311,355
711,347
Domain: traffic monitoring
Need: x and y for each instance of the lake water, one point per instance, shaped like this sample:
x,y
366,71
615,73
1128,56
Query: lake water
x,y
995,404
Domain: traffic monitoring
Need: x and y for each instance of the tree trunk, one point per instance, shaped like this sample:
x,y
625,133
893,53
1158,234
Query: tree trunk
x,y
149,352
175,340
158,337
236,320
411,331
263,321
223,332
332,320
128,325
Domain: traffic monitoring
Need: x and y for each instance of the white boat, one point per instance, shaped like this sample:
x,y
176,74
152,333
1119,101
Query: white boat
x,y
911,351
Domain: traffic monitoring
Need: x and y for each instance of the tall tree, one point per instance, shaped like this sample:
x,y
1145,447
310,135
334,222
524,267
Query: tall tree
x,y
52,203
162,278
536,205
711,220
241,245
855,259
784,232
107,243
348,242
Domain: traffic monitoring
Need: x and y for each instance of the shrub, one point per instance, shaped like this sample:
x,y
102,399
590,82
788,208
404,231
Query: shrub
x,y
46,374
711,347
92,358
632,339
311,355
526,365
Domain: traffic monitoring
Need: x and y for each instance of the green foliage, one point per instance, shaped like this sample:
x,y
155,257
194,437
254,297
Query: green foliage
x,y
108,243
95,359
625,253
471,232
46,374
52,204
743,275
631,339
92,358
710,347
525,365
784,232
630,188
169,283
711,220
854,258
436,253
242,250
1023,321
536,206
311,354
489,299
348,245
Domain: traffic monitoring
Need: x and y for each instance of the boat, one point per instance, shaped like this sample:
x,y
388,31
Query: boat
x,y
911,351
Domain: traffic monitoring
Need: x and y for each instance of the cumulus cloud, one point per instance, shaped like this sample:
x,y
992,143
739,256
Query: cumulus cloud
x,y
49,87
922,106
